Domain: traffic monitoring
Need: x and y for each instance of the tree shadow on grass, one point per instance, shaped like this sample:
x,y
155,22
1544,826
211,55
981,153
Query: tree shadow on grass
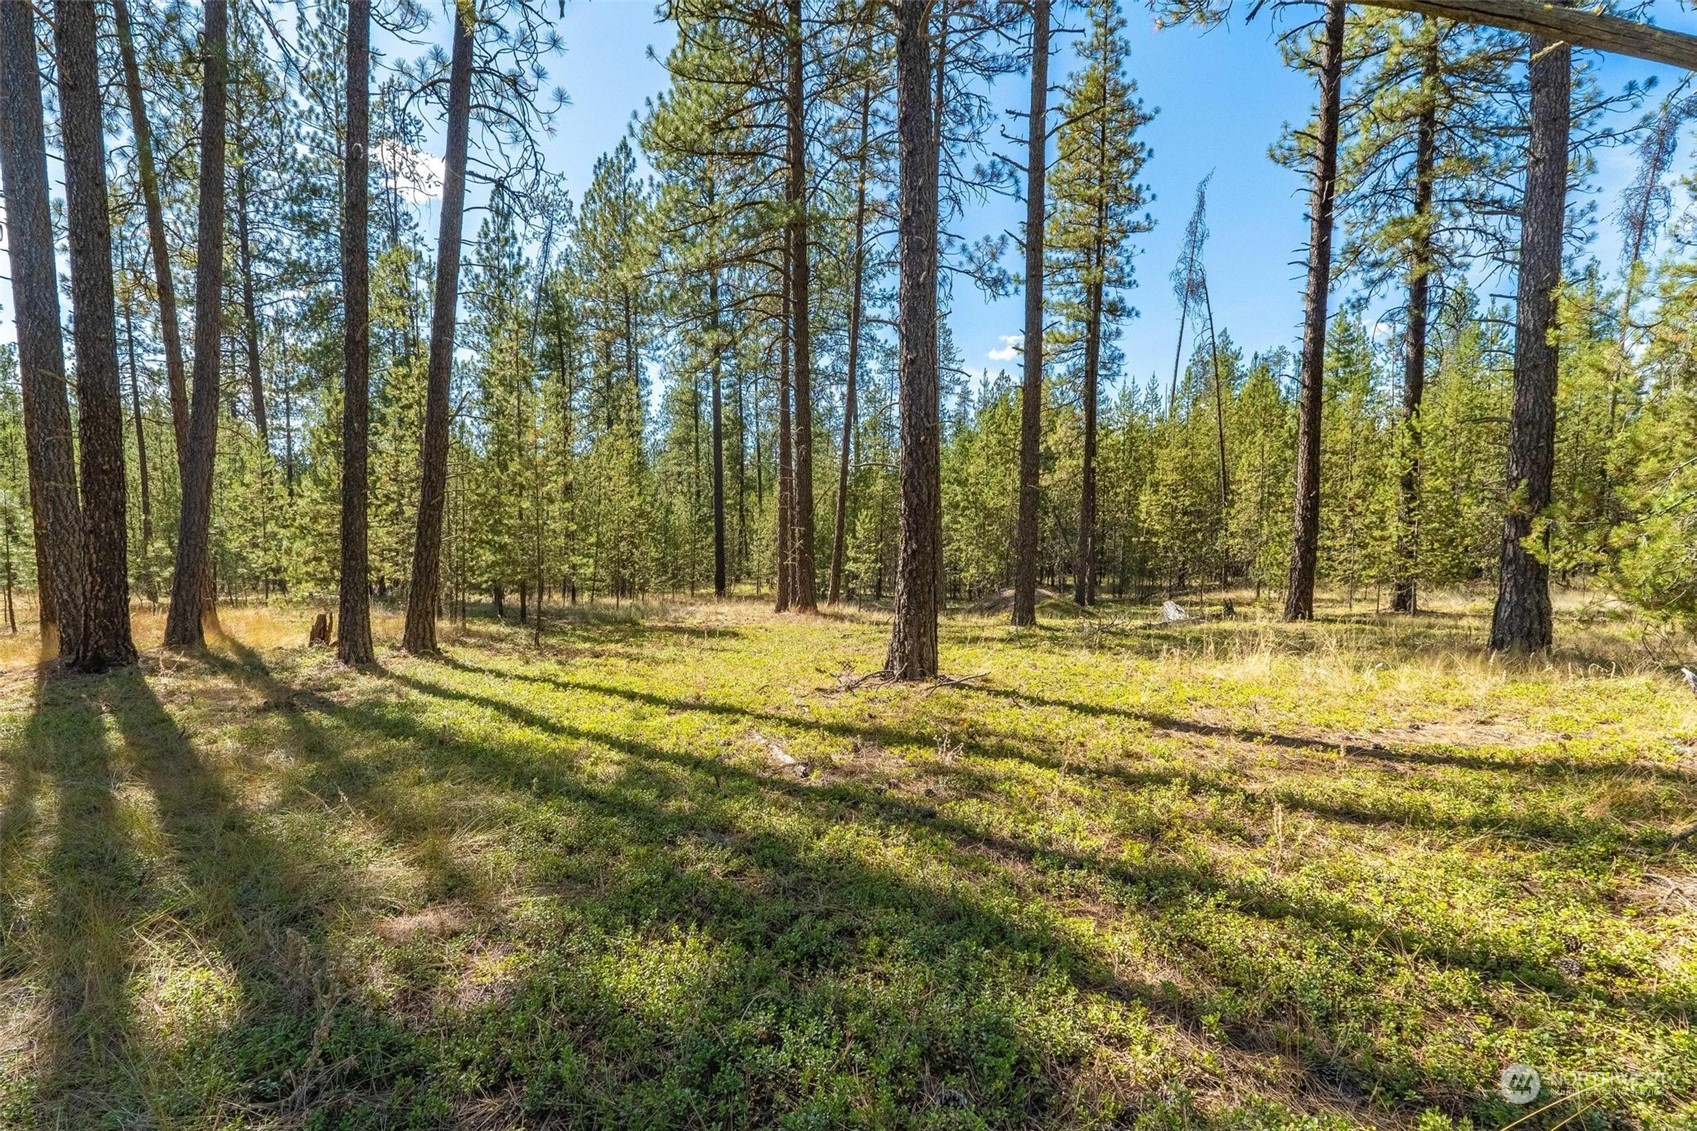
x,y
668,841
1399,807
75,941
1150,886
156,871
1437,755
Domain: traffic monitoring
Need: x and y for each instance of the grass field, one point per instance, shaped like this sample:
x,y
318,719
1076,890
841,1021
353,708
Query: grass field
x,y
665,871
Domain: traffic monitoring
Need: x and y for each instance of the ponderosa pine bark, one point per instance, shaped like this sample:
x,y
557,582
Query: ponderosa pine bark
x,y
806,584
419,635
56,515
913,637
183,624
1522,618
839,531
1305,540
353,624
1031,385
104,639
1405,596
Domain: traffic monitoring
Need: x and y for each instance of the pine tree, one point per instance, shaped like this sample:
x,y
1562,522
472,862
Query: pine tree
x,y
1097,216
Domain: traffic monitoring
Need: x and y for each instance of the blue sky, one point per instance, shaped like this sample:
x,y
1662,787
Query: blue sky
x,y
1223,96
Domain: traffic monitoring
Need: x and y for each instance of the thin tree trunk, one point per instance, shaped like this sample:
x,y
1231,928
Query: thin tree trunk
x,y
846,455
104,639
419,636
1178,353
353,627
913,637
801,495
141,434
1305,540
1404,592
1084,577
786,454
1031,387
55,513
1219,438
720,585
175,381
1522,619
250,316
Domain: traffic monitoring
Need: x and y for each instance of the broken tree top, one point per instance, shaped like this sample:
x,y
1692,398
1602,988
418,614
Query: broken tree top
x,y
1582,27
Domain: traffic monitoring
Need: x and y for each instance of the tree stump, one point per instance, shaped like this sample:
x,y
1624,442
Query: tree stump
x,y
320,630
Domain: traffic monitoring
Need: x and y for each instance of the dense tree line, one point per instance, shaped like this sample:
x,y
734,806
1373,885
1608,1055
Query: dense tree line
x,y
724,366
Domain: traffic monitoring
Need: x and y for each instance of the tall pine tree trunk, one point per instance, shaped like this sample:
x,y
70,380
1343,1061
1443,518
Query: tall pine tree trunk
x,y
845,456
419,635
104,639
913,637
55,513
1305,540
1522,620
1404,592
1031,386
801,495
175,381
353,626
183,627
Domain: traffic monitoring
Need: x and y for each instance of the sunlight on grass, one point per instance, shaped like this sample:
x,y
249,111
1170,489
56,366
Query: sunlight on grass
x,y
662,870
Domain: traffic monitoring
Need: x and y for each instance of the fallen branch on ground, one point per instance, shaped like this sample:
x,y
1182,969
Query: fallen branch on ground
x,y
958,682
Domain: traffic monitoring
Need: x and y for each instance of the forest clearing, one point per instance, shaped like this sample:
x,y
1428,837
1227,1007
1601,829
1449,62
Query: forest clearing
x,y
666,868
733,602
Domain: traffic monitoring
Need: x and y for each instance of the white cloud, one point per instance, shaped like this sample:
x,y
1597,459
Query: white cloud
x,y
416,175
1010,348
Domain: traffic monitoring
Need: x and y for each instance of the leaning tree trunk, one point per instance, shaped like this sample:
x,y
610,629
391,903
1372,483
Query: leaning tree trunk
x,y
55,513
1031,386
104,639
1404,591
1220,440
353,627
175,382
419,636
1522,620
183,628
913,636
846,455
801,494
1305,540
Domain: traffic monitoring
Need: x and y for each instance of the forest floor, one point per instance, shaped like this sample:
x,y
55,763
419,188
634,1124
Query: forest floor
x,y
666,870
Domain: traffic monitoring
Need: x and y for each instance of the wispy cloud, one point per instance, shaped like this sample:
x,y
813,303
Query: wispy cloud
x,y
416,175
1010,348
